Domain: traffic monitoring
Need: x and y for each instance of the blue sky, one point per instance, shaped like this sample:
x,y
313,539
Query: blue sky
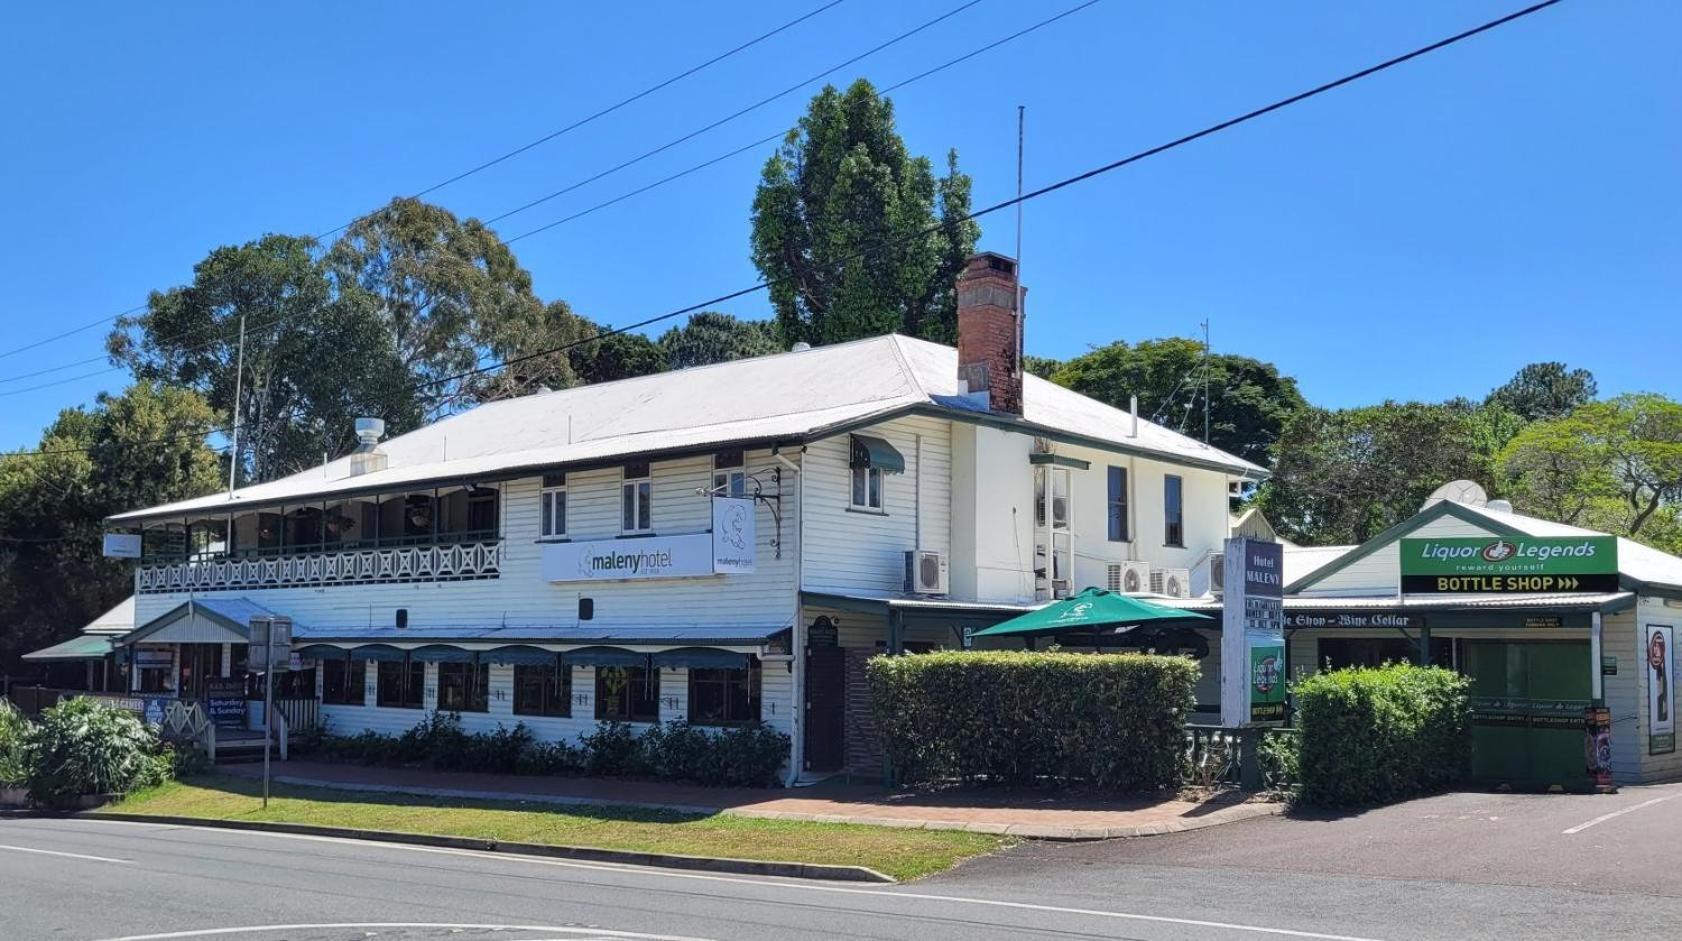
x,y
1421,234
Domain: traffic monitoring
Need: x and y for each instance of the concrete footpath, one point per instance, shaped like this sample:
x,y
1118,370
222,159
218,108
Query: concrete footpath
x,y
1030,814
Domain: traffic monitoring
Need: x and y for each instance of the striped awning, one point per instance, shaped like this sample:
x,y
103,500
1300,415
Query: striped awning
x,y
701,658
870,451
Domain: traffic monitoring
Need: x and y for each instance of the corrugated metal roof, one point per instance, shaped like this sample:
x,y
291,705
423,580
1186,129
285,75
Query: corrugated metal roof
x,y
81,647
787,396
118,620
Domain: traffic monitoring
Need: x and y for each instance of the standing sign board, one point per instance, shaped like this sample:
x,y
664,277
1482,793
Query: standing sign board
x,y
1482,565
224,701
269,634
1661,689
1252,633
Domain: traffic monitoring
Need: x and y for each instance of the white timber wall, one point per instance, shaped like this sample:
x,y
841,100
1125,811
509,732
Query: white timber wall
x,y
520,597
1649,613
1626,694
855,551
1379,573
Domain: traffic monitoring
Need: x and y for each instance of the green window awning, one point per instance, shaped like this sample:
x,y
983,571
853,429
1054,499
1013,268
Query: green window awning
x,y
521,655
81,647
605,657
701,658
384,652
441,653
869,451
321,652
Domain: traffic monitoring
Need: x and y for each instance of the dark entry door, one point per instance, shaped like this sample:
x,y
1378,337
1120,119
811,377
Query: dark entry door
x,y
1528,700
200,663
825,707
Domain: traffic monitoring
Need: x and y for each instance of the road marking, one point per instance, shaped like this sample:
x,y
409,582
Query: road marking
x,y
1619,813
31,849
649,871
571,932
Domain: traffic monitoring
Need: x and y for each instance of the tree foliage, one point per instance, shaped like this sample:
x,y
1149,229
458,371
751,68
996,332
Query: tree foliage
x,y
142,448
712,337
857,237
1545,390
1345,476
1614,465
1249,401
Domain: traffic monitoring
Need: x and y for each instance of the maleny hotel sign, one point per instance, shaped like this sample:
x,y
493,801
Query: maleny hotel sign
x,y
727,550
1474,565
1253,633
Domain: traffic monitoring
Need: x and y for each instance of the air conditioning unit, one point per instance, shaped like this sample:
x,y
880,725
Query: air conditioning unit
x,y
1207,575
1175,583
925,572
1130,578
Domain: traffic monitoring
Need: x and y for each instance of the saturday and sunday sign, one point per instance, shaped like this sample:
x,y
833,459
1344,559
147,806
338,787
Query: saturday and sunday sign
x,y
1501,565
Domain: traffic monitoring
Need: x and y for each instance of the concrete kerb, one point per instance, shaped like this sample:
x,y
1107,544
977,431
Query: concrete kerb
x,y
750,867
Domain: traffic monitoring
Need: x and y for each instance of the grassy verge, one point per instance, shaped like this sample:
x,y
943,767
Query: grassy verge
x,y
903,854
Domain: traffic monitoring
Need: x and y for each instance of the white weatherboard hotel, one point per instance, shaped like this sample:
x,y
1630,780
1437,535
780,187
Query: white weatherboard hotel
x,y
722,544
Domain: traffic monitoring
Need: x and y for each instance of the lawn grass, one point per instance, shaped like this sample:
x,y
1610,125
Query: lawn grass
x,y
901,853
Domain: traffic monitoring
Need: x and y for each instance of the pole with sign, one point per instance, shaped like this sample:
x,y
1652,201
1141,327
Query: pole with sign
x,y
270,644
1252,633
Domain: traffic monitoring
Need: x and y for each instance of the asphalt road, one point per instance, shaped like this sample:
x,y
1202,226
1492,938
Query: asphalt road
x,y
1455,867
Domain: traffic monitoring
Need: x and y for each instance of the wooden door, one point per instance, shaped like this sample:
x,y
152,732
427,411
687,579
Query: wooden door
x,y
825,708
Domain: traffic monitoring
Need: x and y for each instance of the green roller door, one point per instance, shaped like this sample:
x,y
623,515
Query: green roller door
x,y
1528,702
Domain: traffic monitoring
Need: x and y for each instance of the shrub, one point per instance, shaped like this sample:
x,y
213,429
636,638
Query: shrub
x,y
84,746
14,735
1115,721
1381,734
749,756
436,740
550,758
613,748
495,752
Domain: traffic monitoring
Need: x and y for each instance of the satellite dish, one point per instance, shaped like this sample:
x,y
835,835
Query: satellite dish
x,y
1469,492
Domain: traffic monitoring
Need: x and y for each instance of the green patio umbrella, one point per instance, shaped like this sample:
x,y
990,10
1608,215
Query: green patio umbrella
x,y
1090,611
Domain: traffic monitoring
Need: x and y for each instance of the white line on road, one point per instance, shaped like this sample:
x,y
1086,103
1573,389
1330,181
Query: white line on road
x,y
31,849
571,932
647,871
1619,813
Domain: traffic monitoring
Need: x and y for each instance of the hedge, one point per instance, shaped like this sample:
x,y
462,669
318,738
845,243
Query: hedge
x,y
1113,721
1372,735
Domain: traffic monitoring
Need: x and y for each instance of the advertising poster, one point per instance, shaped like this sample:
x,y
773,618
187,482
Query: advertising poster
x,y
1661,690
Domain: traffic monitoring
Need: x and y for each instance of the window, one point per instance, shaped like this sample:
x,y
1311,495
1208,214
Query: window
x,y
1118,504
401,684
1054,538
1173,513
481,510
543,690
867,488
552,507
724,696
342,682
628,694
729,479
464,687
636,500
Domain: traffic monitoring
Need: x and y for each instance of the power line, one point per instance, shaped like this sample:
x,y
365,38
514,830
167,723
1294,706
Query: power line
x,y
780,134
1050,188
496,160
736,114
179,436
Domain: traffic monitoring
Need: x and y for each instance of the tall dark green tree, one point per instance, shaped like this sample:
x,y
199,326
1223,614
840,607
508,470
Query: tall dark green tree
x,y
713,337
138,449
857,237
1545,390
313,359
1249,401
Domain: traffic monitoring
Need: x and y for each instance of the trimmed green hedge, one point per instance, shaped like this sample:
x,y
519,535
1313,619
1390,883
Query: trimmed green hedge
x,y
1115,721
1382,734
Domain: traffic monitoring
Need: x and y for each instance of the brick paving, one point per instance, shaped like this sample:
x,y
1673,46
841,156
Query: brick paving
x,y
1025,813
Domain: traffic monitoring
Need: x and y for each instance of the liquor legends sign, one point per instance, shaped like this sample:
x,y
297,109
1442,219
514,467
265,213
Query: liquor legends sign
x,y
727,549
1501,565
1252,633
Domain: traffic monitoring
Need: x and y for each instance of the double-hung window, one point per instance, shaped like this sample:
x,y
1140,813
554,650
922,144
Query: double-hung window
x,y
342,681
552,507
464,687
728,696
1173,511
401,684
636,500
867,488
628,694
1117,504
543,689
729,478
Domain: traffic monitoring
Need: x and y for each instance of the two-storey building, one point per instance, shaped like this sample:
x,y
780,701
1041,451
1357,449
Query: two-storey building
x,y
724,544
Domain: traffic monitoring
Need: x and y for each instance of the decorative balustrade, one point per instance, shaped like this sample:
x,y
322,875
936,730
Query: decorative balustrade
x,y
435,563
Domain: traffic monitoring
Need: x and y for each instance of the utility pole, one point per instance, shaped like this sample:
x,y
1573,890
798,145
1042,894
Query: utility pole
x,y
1021,122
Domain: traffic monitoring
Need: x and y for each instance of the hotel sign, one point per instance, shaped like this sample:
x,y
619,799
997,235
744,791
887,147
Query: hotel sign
x,y
727,549
1500,565
1252,633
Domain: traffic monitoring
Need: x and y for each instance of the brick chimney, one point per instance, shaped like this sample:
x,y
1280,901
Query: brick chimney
x,y
990,332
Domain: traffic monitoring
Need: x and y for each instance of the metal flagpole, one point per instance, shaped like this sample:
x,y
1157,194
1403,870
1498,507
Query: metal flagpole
x,y
239,388
1021,315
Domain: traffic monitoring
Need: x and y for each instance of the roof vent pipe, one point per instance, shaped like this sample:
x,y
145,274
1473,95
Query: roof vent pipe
x,y
800,346
1133,409
368,457
1499,506
368,434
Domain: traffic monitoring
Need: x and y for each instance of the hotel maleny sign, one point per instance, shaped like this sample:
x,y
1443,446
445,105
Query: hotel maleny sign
x,y
727,550
1252,633
1477,565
